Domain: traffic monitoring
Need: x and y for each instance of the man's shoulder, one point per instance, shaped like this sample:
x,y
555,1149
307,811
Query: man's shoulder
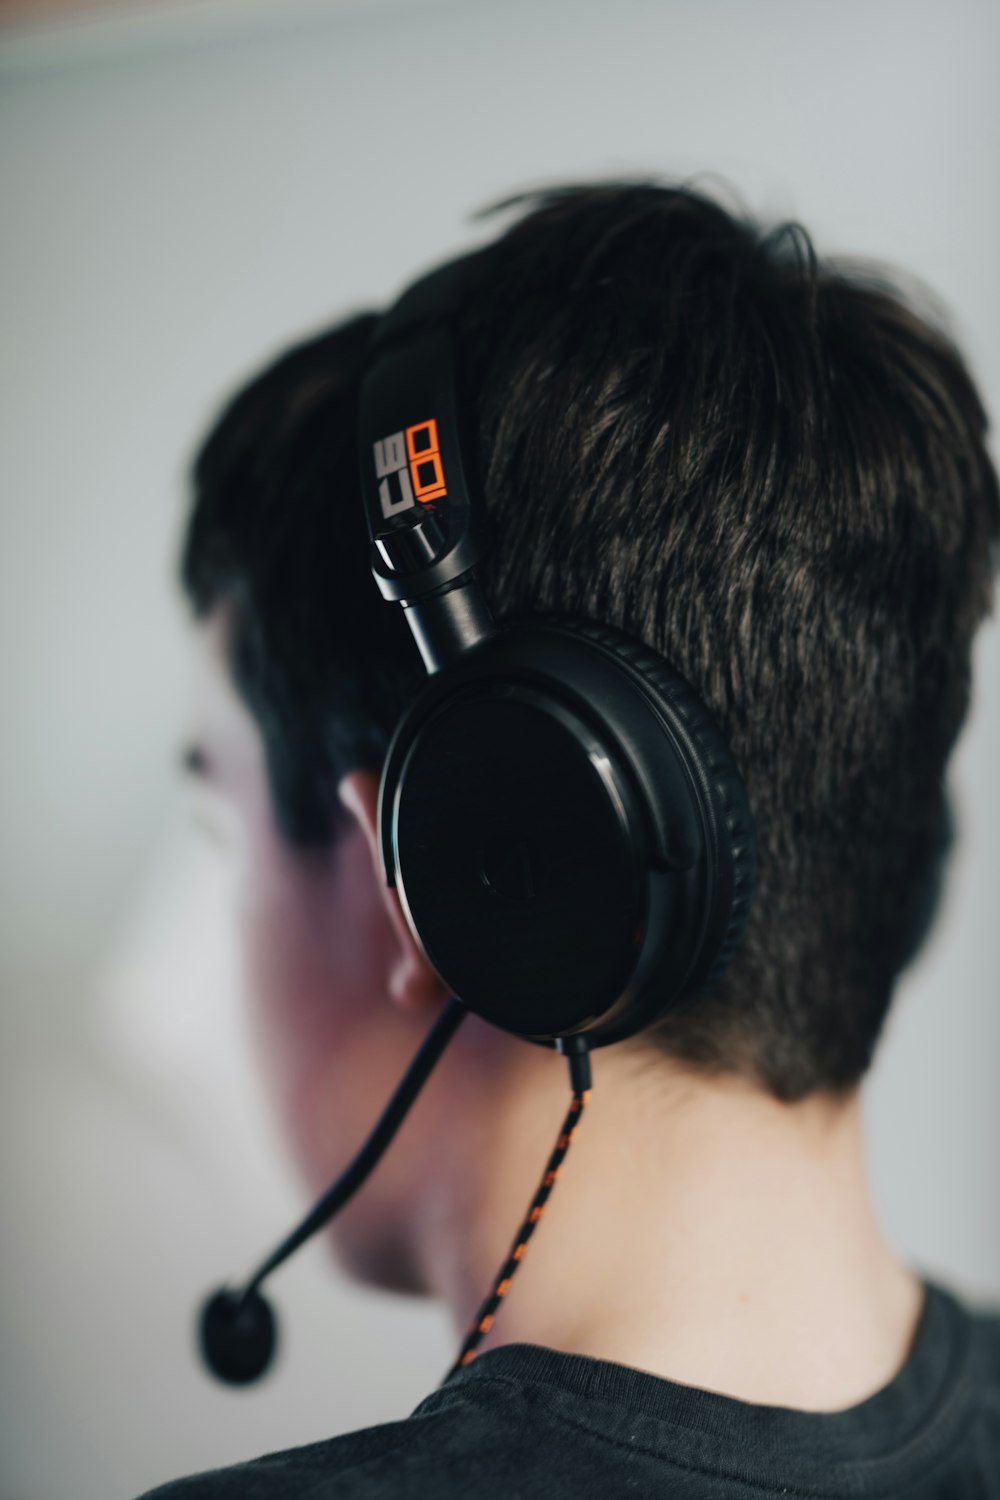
x,y
985,1326
459,1443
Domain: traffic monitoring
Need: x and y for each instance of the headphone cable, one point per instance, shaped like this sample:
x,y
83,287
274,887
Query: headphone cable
x,y
575,1050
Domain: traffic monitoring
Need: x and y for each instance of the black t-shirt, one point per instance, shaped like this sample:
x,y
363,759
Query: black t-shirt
x,y
526,1423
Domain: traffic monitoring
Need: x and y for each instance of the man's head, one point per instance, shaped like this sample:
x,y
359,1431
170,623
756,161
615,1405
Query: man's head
x,y
769,470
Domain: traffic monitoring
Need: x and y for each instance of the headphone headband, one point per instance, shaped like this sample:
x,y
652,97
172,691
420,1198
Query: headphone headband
x,y
413,463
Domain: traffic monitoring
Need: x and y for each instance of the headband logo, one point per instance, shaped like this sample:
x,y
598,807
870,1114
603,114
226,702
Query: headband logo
x,y
414,457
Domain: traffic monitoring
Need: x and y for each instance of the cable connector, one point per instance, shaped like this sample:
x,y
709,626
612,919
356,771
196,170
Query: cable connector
x,y
577,1054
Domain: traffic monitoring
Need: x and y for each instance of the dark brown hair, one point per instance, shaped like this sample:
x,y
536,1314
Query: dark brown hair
x,y
771,470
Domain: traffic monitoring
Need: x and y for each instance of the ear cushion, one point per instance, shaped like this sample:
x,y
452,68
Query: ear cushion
x,y
715,772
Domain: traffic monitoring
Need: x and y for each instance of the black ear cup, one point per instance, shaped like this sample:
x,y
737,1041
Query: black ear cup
x,y
568,835
516,869
735,839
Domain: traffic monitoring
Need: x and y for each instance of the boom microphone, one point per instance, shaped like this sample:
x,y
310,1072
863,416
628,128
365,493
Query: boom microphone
x,y
237,1329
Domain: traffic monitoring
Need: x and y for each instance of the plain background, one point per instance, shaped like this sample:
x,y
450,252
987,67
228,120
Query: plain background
x,y
182,193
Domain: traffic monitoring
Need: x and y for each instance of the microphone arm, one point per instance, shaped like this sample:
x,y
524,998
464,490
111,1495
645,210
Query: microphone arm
x,y
237,1329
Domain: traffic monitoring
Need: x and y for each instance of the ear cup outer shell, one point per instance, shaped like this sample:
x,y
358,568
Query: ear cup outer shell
x,y
567,832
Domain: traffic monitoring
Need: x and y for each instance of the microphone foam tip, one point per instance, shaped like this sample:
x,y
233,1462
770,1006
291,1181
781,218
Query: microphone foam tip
x,y
237,1335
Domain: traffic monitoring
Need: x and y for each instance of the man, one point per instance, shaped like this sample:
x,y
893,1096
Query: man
x,y
773,473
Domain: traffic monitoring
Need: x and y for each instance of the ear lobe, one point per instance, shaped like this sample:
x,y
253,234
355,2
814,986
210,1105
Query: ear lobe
x,y
413,984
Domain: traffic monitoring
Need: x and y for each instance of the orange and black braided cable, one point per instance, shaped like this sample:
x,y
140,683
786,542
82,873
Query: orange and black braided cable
x,y
483,1320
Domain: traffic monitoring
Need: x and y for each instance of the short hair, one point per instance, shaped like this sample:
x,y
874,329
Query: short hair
x,y
769,468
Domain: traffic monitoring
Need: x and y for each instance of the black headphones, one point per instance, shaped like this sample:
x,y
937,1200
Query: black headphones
x,y
559,813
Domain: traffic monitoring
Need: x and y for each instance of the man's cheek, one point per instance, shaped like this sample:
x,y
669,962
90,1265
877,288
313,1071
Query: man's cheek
x,y
298,1007
279,1005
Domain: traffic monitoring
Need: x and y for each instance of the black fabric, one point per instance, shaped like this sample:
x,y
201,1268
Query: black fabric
x,y
526,1423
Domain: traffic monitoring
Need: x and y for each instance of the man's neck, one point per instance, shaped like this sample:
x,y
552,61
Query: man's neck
x,y
700,1231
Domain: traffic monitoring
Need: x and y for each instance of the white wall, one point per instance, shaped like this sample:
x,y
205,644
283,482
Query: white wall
x,y
181,195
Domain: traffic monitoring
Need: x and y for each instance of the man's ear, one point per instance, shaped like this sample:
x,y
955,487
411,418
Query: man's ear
x,y
413,984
